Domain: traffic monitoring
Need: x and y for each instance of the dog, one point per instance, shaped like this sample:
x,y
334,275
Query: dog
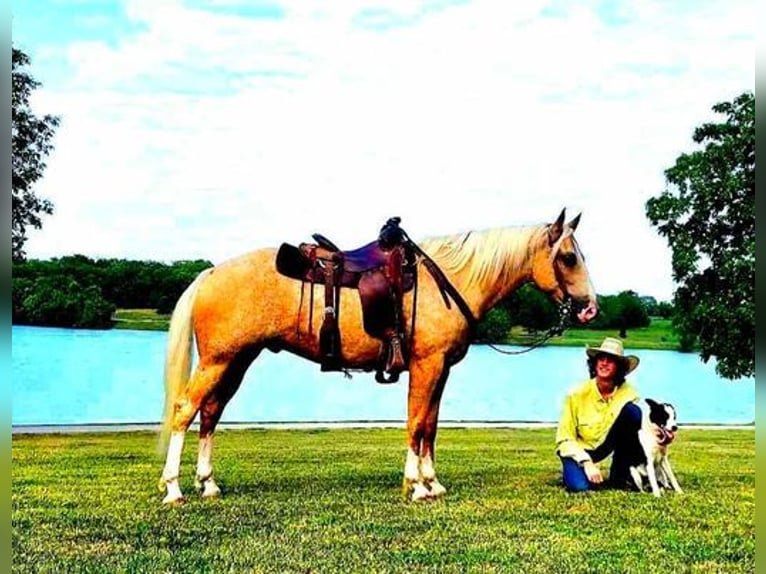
x,y
657,432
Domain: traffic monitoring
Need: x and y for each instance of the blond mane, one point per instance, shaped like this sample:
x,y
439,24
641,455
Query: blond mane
x,y
486,256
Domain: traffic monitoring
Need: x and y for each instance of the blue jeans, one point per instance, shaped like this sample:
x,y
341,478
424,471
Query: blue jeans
x,y
621,441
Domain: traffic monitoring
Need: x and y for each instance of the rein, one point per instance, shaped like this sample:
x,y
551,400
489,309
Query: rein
x,y
564,311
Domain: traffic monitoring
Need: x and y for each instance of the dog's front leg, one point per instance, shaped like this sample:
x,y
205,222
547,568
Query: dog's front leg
x,y
662,477
651,474
637,479
666,468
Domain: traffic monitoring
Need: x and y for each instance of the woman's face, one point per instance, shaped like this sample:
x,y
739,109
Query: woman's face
x,y
606,367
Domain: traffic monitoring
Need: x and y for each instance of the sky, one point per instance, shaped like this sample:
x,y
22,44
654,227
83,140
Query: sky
x,y
202,129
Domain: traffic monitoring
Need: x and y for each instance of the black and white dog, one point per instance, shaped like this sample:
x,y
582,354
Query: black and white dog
x,y
658,429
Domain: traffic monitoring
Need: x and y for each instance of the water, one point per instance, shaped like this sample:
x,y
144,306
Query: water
x,y
73,377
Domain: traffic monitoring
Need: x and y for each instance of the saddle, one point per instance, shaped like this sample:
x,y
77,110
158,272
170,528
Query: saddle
x,y
381,271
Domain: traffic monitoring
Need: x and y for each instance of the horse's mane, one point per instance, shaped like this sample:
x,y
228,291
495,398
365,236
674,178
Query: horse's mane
x,y
489,255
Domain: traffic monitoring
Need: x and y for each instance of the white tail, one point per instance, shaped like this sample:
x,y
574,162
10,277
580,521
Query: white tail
x,y
178,356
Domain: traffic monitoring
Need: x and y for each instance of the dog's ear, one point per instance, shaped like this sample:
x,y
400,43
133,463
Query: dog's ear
x,y
652,403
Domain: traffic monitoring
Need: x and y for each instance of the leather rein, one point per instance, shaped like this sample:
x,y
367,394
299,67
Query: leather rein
x,y
564,320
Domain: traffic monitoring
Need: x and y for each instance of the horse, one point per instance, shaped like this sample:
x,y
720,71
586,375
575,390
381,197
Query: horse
x,y
242,306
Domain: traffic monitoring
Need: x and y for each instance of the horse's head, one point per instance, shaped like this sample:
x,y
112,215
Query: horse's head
x,y
559,270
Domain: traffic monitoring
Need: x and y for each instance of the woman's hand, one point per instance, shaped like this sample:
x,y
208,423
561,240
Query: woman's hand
x,y
593,472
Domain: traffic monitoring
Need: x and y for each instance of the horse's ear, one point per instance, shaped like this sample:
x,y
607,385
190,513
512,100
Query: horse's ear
x,y
574,223
557,228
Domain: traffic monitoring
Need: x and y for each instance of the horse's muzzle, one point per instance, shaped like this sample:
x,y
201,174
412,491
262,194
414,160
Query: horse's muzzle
x,y
588,312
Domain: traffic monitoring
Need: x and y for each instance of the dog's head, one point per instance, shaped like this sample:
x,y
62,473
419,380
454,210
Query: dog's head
x,y
663,416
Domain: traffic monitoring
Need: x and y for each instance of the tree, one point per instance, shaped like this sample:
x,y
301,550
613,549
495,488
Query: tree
x,y
664,309
533,309
77,291
632,310
31,143
707,214
494,326
55,302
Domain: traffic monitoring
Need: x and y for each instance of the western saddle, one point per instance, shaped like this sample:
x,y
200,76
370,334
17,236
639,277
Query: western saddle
x,y
381,271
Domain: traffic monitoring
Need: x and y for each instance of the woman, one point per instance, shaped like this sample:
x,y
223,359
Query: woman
x,y
600,417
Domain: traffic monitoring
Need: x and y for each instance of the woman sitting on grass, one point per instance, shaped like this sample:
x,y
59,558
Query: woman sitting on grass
x,y
600,417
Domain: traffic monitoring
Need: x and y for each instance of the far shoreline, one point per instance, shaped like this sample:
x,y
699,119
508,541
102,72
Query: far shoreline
x,y
25,429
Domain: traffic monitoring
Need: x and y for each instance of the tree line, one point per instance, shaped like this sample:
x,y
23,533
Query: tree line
x,y
77,291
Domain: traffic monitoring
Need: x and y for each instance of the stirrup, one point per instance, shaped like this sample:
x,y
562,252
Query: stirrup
x,y
380,377
395,363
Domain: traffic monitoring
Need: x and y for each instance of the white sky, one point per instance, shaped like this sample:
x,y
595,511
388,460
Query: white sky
x,y
204,130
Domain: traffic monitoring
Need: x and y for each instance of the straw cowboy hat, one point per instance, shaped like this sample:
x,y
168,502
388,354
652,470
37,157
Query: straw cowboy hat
x,y
613,347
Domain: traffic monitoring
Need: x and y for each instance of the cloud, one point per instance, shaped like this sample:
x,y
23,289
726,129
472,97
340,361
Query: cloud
x,y
205,133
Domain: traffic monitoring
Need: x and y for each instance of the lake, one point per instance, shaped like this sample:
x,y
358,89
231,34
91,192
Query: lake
x,y
76,377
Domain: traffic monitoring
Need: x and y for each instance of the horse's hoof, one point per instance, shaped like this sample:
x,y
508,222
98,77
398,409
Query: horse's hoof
x,y
437,490
173,500
420,492
210,490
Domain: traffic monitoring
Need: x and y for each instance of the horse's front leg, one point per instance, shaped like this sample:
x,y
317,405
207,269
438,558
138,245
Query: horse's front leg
x,y
412,486
428,444
427,379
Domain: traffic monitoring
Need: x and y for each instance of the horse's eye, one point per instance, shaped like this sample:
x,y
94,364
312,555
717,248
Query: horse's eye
x,y
568,259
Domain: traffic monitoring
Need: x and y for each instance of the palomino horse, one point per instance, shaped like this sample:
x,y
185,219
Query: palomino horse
x,y
243,306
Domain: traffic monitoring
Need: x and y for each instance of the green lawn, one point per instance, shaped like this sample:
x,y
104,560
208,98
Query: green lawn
x,y
140,319
658,335
330,501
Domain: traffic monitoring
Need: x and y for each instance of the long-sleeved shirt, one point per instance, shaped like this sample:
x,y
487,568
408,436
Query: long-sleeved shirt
x,y
587,417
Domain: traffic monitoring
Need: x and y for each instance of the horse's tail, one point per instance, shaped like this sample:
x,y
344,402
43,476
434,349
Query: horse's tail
x,y
178,356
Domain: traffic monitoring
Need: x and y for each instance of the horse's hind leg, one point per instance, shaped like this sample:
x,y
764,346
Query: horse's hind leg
x,y
210,414
202,383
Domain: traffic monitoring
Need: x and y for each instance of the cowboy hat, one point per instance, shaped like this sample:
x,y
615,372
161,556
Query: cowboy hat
x,y
613,347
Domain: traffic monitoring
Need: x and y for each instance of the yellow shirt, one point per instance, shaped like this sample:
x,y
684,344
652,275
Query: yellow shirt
x,y
587,417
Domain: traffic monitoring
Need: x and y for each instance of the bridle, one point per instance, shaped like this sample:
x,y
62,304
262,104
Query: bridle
x,y
565,310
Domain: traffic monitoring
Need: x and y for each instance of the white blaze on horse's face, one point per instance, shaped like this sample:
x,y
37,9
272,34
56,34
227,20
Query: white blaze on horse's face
x,y
563,274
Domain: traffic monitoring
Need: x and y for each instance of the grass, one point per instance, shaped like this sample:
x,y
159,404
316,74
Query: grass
x,y
140,319
659,335
330,501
